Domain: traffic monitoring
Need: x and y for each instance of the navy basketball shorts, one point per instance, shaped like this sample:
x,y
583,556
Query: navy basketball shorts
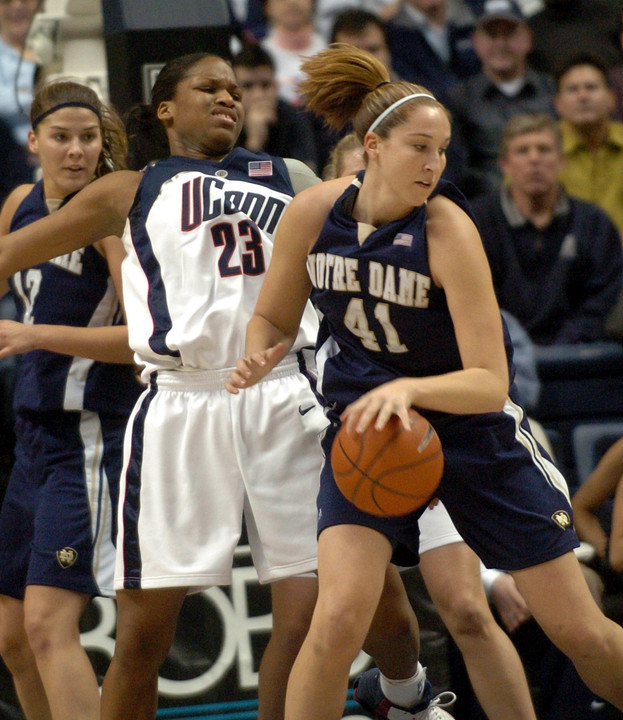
x,y
503,493
58,518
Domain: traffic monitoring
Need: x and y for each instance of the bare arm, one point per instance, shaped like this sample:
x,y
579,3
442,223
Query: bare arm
x,y
273,328
598,486
616,534
6,215
459,265
99,210
106,344
10,206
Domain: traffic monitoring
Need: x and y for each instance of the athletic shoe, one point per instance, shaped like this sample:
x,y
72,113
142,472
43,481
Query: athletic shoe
x,y
369,695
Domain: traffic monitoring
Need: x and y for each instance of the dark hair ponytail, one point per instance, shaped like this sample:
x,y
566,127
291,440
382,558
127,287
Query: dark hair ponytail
x,y
147,138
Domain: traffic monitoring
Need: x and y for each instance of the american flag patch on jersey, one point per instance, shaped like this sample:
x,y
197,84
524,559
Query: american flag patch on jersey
x,y
260,168
403,239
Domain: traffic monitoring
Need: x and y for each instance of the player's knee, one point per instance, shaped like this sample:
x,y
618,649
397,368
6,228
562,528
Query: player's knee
x,y
50,624
141,649
39,631
584,640
13,647
468,616
339,628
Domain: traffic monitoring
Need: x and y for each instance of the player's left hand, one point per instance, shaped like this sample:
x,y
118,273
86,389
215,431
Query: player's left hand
x,y
378,405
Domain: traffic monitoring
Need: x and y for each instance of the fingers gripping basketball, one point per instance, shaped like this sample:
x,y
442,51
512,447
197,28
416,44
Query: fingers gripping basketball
x,y
389,472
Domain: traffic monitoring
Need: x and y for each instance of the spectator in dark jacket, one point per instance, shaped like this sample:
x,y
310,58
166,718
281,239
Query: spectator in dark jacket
x,y
429,49
565,28
556,261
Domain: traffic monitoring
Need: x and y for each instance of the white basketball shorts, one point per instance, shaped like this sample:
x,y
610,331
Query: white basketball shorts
x,y
437,529
196,458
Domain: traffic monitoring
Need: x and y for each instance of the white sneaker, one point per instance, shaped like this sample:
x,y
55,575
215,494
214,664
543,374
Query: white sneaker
x,y
435,710
369,695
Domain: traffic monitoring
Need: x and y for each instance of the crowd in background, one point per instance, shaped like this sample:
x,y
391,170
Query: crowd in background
x,y
489,62
535,89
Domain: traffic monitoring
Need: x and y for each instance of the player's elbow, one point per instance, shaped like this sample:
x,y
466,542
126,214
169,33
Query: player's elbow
x,y
498,404
498,393
6,269
274,328
615,556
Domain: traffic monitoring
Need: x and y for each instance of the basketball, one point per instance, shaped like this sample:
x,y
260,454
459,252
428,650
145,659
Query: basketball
x,y
390,472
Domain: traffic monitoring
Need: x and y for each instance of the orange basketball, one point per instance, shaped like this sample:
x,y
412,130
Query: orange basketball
x,y
389,472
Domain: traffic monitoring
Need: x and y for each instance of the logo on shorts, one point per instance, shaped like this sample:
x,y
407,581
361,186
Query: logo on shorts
x,y
562,519
66,557
305,410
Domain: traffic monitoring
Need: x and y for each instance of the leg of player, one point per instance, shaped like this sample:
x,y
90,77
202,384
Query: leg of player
x,y
293,601
146,622
394,636
20,660
352,562
51,620
571,618
452,576
397,687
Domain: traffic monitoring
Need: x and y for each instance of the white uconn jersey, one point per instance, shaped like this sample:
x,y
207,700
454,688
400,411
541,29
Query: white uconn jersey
x,y
199,239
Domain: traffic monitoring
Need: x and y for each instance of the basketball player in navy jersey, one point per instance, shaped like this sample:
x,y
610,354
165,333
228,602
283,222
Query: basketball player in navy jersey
x,y
57,523
397,270
451,573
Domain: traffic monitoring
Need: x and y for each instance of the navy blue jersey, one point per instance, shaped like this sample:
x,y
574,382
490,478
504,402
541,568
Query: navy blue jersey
x,y
382,315
383,318
73,289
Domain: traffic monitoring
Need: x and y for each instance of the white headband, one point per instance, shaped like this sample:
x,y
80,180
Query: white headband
x,y
392,107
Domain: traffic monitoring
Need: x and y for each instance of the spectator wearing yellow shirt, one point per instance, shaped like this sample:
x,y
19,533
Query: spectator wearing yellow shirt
x,y
592,140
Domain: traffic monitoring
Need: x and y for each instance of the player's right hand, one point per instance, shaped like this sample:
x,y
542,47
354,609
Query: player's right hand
x,y
16,338
251,370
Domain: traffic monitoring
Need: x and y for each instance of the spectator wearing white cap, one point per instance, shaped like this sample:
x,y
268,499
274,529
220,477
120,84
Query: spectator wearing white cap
x,y
505,86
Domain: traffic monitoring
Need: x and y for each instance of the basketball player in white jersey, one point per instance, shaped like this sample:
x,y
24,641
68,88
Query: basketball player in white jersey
x,y
197,230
